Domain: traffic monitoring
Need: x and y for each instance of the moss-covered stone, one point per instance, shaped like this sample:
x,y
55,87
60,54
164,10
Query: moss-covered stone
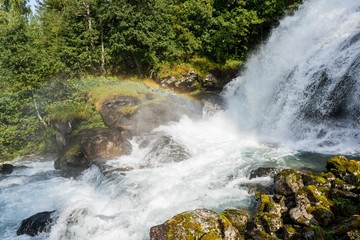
x,y
316,179
288,182
339,163
322,214
317,197
352,223
237,217
291,232
197,224
268,215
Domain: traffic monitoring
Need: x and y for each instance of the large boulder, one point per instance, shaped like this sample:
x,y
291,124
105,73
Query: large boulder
x,y
91,146
288,182
137,116
198,224
102,143
38,223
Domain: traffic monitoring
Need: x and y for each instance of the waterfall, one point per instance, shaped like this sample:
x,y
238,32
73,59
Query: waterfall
x,y
298,94
303,85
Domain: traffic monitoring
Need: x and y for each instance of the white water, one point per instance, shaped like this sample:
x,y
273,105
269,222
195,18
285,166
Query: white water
x,y
263,108
278,97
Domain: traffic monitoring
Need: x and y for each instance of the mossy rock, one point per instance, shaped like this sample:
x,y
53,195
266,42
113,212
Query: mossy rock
x,y
268,215
197,224
339,163
323,215
318,197
347,225
287,182
238,218
317,179
354,167
291,232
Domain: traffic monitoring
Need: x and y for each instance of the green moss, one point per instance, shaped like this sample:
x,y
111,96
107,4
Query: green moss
x,y
209,236
354,167
175,69
319,197
339,162
129,110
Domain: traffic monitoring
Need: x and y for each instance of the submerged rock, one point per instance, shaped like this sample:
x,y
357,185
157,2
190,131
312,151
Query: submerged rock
x,y
162,149
264,172
6,169
38,223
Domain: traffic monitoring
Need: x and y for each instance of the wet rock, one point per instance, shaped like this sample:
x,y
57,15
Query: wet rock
x,y
264,172
287,182
253,188
197,224
162,149
101,143
38,223
6,169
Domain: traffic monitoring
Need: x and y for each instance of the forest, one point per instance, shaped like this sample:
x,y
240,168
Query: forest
x,y
67,39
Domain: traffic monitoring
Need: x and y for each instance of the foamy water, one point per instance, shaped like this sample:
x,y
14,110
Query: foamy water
x,y
263,126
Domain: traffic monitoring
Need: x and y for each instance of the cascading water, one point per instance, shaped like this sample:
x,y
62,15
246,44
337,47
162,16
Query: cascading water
x,y
303,85
301,91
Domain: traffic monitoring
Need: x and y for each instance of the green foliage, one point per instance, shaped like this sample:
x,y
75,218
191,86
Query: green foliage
x,y
72,39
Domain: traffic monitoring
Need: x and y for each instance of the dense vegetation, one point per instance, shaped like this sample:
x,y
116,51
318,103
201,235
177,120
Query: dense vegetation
x,y
69,39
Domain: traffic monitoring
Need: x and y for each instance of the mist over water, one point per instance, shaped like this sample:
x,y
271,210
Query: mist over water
x,y
300,92
303,86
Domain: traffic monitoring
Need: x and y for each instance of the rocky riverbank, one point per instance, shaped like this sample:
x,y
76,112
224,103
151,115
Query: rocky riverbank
x,y
304,205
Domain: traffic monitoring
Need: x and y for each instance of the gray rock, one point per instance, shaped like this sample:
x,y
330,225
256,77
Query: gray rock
x,y
38,223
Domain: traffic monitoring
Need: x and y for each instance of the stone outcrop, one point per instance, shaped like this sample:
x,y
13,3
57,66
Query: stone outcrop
x,y
38,223
137,116
304,205
91,146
